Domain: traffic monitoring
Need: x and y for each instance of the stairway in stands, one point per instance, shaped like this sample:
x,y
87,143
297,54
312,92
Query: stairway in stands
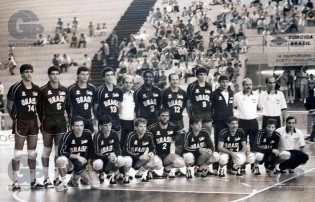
x,y
130,23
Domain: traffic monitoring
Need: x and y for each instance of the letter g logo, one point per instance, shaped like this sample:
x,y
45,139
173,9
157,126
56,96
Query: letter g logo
x,y
21,25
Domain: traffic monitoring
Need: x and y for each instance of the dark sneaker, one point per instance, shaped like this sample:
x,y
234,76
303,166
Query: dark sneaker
x,y
155,175
204,173
126,180
243,169
239,172
231,171
35,185
15,186
48,184
188,174
56,182
198,172
256,171
73,183
101,177
221,173
139,174
171,175
144,178
112,179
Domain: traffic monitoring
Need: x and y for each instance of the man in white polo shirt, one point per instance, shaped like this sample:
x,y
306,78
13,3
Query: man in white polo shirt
x,y
291,146
246,102
273,104
127,108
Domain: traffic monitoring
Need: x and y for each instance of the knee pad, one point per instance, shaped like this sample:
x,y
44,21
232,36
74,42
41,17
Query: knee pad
x,y
250,158
46,152
179,163
215,157
128,161
285,155
32,154
240,160
62,162
18,155
98,164
259,156
189,158
224,159
120,161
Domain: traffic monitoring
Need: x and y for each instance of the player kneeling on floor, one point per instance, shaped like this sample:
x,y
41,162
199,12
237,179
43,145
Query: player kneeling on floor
x,y
75,153
140,147
163,132
266,147
198,149
230,141
108,157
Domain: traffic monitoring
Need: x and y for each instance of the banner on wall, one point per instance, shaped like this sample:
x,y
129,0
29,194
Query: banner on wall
x,y
290,43
291,59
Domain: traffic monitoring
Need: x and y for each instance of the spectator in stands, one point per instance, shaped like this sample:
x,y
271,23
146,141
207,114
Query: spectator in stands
x,y
114,45
1,91
74,41
311,82
40,41
282,81
75,25
204,23
67,29
56,39
11,64
104,30
59,27
55,60
91,29
82,40
87,61
290,86
309,4
309,105
98,30
304,83
65,62
104,52
64,39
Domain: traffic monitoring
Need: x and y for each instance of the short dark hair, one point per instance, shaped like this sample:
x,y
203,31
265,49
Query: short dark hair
x,y
271,122
25,67
232,118
82,69
52,69
172,74
201,70
140,120
194,120
163,110
77,119
148,71
105,119
223,78
289,118
107,69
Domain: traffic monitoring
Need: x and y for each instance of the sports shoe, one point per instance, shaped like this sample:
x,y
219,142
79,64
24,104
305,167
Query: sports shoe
x,y
60,186
256,171
309,139
231,171
139,174
56,182
15,186
198,172
35,185
179,173
243,169
204,173
214,172
101,177
48,184
144,178
221,172
238,172
73,182
188,174
83,182
154,175
171,175
126,180
150,175
112,179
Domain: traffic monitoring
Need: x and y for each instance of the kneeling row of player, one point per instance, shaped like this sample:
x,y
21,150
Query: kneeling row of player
x,y
147,150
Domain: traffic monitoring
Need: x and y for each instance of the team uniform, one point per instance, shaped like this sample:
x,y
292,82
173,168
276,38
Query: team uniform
x,y
108,104
136,147
176,103
51,110
147,103
200,98
81,102
105,146
24,109
82,146
264,144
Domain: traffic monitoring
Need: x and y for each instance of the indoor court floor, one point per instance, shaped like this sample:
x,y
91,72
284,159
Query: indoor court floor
x,y
282,187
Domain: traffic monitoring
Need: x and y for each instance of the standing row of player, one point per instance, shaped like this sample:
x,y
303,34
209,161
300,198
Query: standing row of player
x,y
50,102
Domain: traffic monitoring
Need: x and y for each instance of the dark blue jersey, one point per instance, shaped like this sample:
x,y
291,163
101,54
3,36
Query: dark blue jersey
x,y
200,97
175,102
193,142
232,142
104,146
265,142
135,147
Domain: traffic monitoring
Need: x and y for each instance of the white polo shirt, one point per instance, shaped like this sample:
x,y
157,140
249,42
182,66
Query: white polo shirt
x,y
290,141
127,108
246,105
272,104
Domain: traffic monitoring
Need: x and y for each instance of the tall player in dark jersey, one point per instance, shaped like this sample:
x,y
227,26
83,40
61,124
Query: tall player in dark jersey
x,y
22,100
51,111
140,147
109,98
266,147
230,141
174,98
198,148
108,156
199,95
163,133
76,151
147,99
81,98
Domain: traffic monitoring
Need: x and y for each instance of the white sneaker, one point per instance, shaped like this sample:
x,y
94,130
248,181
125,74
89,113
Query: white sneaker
x,y
61,187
